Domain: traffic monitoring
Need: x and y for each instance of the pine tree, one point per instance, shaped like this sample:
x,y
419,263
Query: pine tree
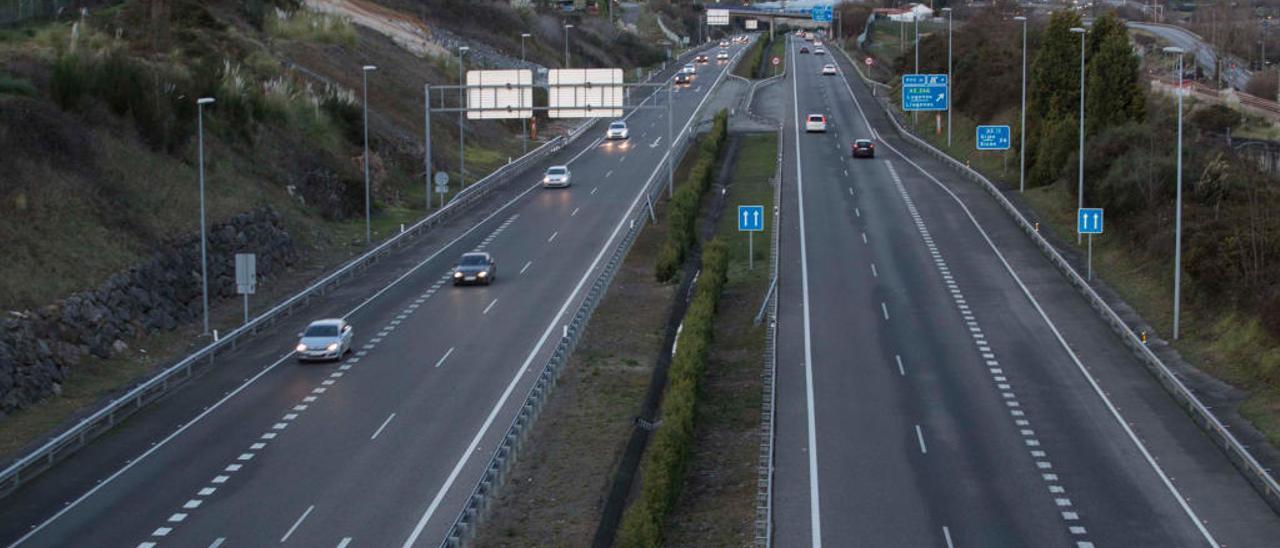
x,y
1113,95
1053,98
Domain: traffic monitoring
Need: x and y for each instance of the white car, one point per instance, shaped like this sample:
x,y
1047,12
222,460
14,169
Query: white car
x,y
722,56
815,122
325,340
817,42
556,177
817,50
617,131
724,43
828,69
689,68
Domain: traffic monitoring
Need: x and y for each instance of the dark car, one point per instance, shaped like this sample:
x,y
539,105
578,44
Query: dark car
x,y
701,59
475,268
864,148
683,78
804,49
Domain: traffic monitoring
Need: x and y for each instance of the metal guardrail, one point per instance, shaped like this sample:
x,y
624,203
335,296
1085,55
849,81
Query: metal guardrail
x,y
114,412
768,377
1256,474
504,456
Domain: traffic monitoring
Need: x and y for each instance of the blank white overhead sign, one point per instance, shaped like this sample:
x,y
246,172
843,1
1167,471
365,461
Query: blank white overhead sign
x,y
753,24
516,101
717,17
585,93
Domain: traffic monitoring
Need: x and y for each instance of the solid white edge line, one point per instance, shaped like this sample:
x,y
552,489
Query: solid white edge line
x,y
297,523
1052,327
384,425
502,400
815,517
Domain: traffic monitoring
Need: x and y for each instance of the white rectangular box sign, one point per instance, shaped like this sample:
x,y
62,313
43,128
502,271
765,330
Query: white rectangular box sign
x,y
753,24
585,93
717,17
517,101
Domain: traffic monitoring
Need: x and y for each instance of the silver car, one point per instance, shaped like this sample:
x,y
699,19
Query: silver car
x,y
556,176
325,340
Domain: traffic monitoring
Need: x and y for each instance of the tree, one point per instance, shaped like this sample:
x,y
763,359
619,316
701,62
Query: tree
x,y
1053,98
1113,95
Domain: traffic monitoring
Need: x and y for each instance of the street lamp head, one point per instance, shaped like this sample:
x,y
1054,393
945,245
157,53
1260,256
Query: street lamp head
x,y
1175,49
568,26
1019,18
946,10
1077,30
463,49
525,35
368,68
204,100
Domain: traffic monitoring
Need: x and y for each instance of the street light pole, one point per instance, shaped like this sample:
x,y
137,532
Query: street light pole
x,y
462,129
915,17
368,230
524,122
1022,125
950,81
204,239
1080,154
1177,231
566,44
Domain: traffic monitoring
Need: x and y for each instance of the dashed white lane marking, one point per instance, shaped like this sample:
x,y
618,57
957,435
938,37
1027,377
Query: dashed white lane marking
x,y
608,173
851,191
444,357
146,545
381,428
162,532
288,533
207,491
525,267
856,212
901,370
218,542
885,310
486,309
946,534
345,542
553,236
575,211
920,438
874,274
177,518
594,189
622,159
1039,456
864,237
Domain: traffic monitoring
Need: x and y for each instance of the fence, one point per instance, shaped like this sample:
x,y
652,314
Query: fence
x,y
503,458
64,444
1236,452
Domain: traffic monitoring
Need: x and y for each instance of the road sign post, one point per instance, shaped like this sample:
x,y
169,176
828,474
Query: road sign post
x,y
246,278
750,220
925,92
1089,221
776,61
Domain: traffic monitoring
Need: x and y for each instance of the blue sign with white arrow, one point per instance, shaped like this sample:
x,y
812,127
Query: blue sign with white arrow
x,y
993,137
1089,220
751,218
924,92
821,14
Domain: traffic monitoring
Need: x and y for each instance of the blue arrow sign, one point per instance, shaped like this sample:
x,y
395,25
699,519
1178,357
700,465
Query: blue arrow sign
x,y
993,137
1089,220
751,218
821,14
924,92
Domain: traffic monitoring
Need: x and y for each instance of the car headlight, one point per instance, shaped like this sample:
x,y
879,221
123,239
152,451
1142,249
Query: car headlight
x,y
457,274
333,347
482,274
546,179
301,347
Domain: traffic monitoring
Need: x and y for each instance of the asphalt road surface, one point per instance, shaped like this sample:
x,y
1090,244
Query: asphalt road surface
x,y
383,448
940,384
1235,73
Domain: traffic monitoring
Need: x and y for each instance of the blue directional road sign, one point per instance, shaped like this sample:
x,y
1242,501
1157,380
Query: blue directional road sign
x,y
751,218
924,92
821,14
1089,220
993,137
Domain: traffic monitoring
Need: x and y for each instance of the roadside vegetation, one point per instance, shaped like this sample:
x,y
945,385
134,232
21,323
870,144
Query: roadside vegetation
x,y
1231,288
682,214
717,499
749,66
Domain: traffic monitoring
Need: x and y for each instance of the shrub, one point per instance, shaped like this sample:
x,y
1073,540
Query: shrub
x,y
68,84
683,209
15,86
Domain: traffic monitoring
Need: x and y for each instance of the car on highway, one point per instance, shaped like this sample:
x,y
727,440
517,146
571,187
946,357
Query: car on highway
x,y
815,123
817,43
617,131
701,58
475,268
863,148
690,69
683,78
724,43
325,340
817,50
804,49
556,177
722,56
828,69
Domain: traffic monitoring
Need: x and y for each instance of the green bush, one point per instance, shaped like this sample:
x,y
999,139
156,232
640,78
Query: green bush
x,y
682,212
666,460
750,63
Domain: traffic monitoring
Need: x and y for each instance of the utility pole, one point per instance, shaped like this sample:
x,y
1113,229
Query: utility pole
x,y
204,239
1177,231
566,44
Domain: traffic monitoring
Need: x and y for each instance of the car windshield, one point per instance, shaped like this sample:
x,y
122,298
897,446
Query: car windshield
x,y
618,125
815,118
557,171
325,330
473,260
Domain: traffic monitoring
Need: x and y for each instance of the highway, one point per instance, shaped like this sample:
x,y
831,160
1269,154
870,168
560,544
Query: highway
x,y
940,384
383,448
1236,73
